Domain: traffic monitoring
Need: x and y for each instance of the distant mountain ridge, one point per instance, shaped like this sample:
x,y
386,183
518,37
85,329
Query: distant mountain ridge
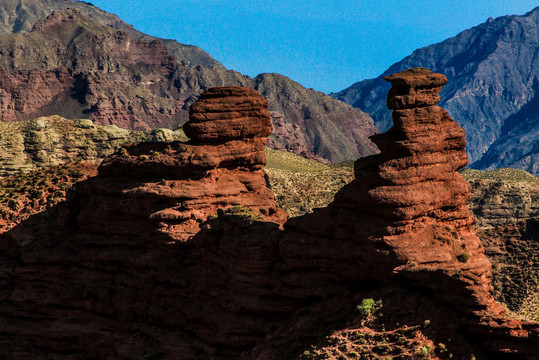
x,y
493,87
21,15
157,94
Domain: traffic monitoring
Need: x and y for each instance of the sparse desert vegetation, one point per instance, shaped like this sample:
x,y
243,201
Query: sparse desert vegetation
x,y
26,194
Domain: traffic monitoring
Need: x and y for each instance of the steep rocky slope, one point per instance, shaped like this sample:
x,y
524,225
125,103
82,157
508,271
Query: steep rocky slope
x,y
71,66
493,73
160,272
508,222
306,122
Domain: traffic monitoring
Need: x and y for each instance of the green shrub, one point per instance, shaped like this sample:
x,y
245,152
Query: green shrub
x,y
463,257
424,351
243,212
368,307
442,348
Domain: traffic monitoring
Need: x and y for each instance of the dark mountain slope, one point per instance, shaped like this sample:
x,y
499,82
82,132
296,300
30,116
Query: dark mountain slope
x,y
311,122
71,66
493,70
519,146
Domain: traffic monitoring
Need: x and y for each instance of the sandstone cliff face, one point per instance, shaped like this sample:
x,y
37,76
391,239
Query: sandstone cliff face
x,y
221,167
53,140
134,264
71,66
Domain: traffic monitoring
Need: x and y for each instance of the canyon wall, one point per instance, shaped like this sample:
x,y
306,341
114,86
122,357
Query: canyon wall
x,y
181,252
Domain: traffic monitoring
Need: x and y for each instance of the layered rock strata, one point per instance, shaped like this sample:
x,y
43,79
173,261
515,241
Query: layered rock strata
x,y
140,261
220,167
423,196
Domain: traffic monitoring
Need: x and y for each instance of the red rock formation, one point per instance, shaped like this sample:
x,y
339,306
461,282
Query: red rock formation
x,y
417,225
221,167
415,181
137,264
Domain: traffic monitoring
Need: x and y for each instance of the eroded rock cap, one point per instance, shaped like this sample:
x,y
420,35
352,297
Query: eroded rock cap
x,y
228,113
417,87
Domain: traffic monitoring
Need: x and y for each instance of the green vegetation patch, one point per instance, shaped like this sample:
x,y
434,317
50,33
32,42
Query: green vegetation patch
x,y
502,174
24,195
243,213
368,307
283,160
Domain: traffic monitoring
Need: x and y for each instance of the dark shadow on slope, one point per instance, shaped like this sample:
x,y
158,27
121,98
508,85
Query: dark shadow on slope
x,y
519,137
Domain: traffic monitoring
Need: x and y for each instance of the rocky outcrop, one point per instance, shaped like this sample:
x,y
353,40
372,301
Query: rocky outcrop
x,y
421,220
69,65
408,183
141,261
497,202
219,168
492,92
53,140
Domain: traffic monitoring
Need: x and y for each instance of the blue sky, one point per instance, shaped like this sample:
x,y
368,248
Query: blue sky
x,y
326,45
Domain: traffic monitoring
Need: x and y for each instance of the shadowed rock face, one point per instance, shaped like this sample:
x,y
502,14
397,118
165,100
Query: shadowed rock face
x,y
136,264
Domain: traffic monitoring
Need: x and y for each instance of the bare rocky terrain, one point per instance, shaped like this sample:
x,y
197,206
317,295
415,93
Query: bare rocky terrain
x,y
167,246
53,140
